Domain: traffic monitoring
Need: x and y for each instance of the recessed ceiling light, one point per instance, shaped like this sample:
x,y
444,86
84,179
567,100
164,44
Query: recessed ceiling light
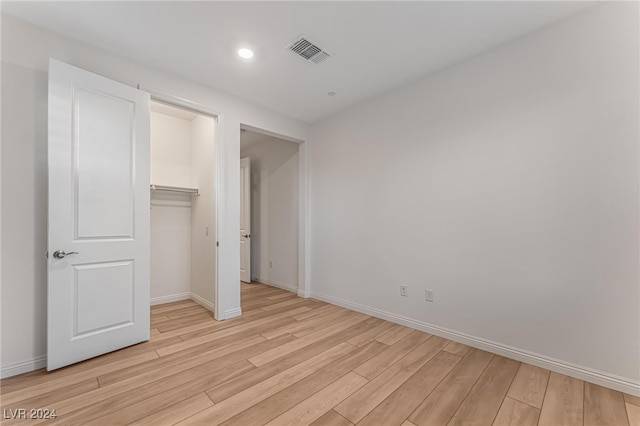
x,y
331,93
245,53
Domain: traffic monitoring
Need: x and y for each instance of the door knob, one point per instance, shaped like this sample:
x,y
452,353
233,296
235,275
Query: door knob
x,y
59,254
247,235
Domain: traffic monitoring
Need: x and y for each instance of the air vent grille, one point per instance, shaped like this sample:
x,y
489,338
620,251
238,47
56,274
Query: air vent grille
x,y
308,50
320,57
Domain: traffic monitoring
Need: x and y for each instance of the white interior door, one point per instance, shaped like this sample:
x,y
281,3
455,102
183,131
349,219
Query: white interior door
x,y
98,261
245,220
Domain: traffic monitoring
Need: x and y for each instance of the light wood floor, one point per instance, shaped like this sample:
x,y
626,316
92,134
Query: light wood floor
x,y
293,361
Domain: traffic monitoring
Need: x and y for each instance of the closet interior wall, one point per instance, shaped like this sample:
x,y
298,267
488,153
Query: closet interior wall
x,y
182,224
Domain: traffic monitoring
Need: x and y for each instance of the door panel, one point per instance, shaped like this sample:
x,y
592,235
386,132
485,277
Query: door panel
x,y
98,294
103,297
245,219
103,145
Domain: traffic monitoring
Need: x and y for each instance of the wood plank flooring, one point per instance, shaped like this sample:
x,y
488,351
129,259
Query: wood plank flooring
x,y
293,361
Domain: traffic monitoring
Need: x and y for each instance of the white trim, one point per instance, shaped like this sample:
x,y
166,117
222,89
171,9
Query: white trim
x,y
270,133
203,302
288,287
23,367
170,298
232,313
171,99
602,378
304,294
219,194
304,232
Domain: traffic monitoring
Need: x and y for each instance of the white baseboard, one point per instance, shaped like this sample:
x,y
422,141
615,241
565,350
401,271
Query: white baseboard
x,y
23,367
232,313
202,302
170,298
583,373
289,287
304,294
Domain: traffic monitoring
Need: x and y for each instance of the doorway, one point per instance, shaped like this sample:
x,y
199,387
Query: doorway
x,y
182,206
272,167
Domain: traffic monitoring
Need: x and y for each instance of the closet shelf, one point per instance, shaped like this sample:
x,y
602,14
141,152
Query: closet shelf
x,y
192,191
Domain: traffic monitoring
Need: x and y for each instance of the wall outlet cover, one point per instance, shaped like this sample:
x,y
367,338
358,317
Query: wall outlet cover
x,y
428,295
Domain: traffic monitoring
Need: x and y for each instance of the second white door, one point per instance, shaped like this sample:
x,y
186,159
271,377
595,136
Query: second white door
x,y
245,220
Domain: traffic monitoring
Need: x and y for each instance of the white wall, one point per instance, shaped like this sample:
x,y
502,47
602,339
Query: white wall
x,y
170,151
508,185
274,212
170,247
171,141
24,223
203,232
26,50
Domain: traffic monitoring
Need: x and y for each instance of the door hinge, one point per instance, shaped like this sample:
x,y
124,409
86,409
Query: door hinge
x,y
217,244
46,254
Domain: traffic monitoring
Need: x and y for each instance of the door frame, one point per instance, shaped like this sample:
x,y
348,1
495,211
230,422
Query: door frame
x,y
183,103
304,284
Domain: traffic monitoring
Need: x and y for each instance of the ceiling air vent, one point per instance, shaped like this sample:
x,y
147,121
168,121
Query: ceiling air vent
x,y
308,50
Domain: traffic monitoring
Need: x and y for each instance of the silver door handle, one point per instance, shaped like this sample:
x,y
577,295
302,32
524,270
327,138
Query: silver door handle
x,y
247,236
59,254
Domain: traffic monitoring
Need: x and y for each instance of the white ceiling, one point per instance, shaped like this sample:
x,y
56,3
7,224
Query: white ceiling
x,y
376,45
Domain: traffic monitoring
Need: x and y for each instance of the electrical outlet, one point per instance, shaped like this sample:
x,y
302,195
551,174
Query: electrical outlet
x,y
403,291
206,230
428,295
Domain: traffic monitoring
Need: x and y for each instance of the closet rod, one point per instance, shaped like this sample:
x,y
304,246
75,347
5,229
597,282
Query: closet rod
x,y
193,191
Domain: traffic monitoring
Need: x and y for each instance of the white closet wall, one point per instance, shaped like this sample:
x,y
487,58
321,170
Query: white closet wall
x,y
203,232
170,150
170,250
170,212
183,234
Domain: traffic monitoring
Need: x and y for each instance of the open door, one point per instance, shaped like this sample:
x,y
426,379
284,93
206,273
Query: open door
x,y
98,258
245,220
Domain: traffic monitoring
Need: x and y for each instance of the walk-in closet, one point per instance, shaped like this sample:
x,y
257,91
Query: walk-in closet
x,y
183,240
